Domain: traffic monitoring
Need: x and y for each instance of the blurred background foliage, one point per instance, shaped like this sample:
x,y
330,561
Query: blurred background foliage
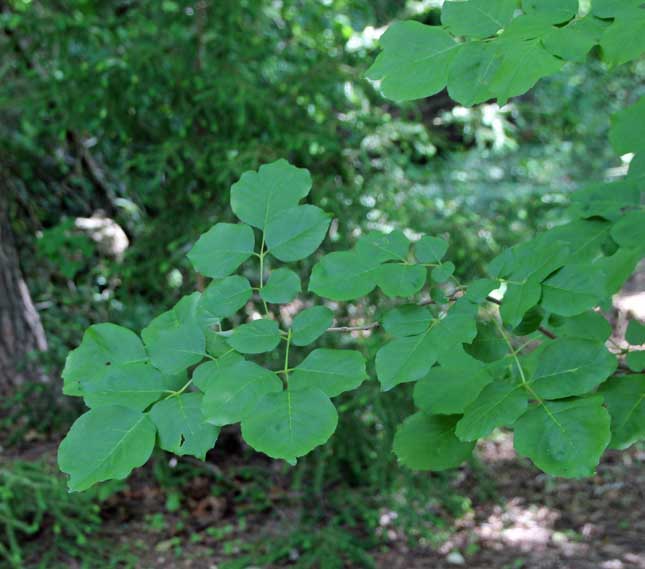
x,y
123,124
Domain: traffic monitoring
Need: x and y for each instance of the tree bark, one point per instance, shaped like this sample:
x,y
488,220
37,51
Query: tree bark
x,y
21,331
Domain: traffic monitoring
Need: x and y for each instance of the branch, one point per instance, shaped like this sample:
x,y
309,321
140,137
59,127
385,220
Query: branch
x,y
366,327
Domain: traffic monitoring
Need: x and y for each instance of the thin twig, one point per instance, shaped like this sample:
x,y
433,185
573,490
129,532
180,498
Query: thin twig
x,y
370,326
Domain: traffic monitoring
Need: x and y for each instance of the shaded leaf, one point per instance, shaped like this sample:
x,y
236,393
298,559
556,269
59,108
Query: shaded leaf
x,y
428,442
290,424
181,426
564,438
106,443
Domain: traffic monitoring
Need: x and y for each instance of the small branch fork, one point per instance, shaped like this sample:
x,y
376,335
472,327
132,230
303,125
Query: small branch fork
x,y
374,325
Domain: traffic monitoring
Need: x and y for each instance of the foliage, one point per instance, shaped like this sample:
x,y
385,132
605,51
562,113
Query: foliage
x,y
419,60
554,280
42,525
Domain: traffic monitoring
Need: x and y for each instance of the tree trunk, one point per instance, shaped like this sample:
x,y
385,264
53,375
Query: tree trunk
x,y
21,331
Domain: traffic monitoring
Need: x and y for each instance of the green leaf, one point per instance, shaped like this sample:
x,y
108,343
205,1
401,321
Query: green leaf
x,y
498,405
624,40
332,371
258,196
296,233
103,347
573,289
605,200
343,275
564,438
414,62
459,326
216,344
428,442
618,268
574,41
487,346
527,27
398,280
635,334
233,391
174,339
205,373
583,239
405,359
222,249
430,249
477,18
451,387
181,426
133,385
571,366
224,298
626,132
407,320
625,398
310,324
522,65
443,272
611,8
255,337
381,247
636,360
557,11
106,443
282,287
629,231
588,325
518,300
291,423
478,290
471,72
